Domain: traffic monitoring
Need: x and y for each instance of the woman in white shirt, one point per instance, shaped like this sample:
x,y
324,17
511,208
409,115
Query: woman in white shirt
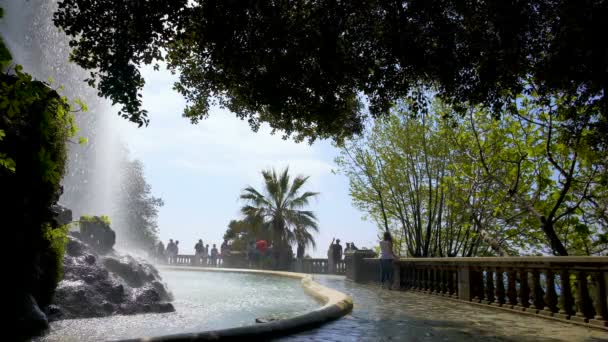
x,y
386,259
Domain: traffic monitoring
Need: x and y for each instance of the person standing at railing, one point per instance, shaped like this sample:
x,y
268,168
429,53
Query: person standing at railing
x,y
330,257
206,255
176,251
160,252
214,256
198,251
169,251
386,260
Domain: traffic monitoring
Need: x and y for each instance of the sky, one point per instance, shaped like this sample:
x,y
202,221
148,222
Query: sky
x,y
199,171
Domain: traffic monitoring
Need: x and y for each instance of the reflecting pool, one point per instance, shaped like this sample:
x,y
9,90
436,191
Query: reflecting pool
x,y
203,301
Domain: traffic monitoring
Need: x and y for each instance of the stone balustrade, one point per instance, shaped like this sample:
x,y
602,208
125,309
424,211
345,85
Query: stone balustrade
x,y
318,265
571,288
306,265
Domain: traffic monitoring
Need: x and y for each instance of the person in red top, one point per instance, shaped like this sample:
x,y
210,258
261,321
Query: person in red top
x,y
261,246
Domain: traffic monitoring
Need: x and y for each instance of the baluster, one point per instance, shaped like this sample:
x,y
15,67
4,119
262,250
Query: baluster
x,y
537,292
422,272
443,281
489,293
449,274
582,300
500,288
551,295
512,288
478,285
601,310
435,282
524,290
425,279
454,281
565,295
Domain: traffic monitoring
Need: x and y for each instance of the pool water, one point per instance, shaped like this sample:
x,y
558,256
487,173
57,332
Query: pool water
x,y
203,301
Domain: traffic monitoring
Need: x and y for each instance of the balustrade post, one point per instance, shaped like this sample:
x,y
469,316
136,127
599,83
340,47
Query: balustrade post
x,y
565,296
478,286
453,276
410,277
489,293
599,300
396,285
550,296
444,280
537,292
512,288
450,283
524,290
434,280
500,288
582,300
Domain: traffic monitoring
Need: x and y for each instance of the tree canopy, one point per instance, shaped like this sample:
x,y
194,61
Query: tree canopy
x,y
308,67
472,185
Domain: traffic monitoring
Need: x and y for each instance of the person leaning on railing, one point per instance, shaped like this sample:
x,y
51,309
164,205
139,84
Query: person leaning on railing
x,y
386,259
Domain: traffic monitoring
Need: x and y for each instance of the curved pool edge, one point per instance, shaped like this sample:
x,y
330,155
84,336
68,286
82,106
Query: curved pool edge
x,y
335,305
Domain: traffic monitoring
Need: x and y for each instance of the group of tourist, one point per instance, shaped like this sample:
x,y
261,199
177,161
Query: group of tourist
x,y
204,255
169,254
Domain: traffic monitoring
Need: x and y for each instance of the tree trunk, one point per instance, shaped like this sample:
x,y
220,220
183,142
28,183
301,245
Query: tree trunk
x,y
556,244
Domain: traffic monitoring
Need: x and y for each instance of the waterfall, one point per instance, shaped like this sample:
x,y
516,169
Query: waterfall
x,y
92,178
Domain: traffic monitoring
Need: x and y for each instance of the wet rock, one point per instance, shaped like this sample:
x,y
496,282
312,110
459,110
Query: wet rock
x,y
97,286
30,317
53,312
61,214
89,259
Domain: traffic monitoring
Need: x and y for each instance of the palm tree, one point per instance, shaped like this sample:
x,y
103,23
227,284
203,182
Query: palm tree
x,y
304,238
280,207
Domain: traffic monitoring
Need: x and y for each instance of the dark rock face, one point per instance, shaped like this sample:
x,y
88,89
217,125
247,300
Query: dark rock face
x,y
97,234
101,285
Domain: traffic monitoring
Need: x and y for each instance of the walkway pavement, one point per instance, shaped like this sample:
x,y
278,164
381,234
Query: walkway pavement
x,y
382,315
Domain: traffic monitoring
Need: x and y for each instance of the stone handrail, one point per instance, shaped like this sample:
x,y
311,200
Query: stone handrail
x,y
319,265
306,265
570,288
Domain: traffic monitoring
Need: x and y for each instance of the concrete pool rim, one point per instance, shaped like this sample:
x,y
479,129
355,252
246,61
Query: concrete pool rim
x,y
335,305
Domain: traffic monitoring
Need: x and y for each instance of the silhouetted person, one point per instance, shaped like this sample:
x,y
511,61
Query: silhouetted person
x,y
330,257
199,248
214,255
160,252
206,255
252,254
300,251
169,251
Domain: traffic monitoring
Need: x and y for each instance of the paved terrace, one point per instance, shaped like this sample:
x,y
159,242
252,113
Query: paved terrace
x,y
382,315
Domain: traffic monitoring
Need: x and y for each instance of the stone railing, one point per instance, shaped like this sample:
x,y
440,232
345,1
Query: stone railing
x,y
318,265
571,288
191,260
237,260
